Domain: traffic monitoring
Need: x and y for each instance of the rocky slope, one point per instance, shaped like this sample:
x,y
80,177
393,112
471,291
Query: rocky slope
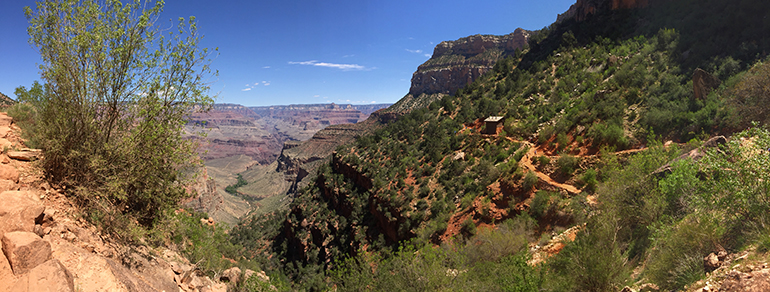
x,y
47,246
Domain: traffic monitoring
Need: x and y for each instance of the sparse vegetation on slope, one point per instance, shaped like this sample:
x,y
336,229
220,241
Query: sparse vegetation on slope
x,y
583,91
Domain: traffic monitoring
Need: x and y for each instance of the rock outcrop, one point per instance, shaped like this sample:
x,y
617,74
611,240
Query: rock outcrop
x,y
703,83
47,247
582,9
455,64
25,250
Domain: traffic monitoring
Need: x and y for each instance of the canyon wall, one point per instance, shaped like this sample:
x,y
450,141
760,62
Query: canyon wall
x,y
454,64
583,8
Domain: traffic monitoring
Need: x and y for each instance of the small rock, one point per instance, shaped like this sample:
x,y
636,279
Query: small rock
x,y
7,185
9,172
19,211
24,155
39,230
25,251
4,130
711,262
230,275
261,275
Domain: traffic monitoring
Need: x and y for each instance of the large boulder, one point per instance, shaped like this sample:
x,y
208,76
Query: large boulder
x,y
25,251
694,155
9,173
50,276
18,211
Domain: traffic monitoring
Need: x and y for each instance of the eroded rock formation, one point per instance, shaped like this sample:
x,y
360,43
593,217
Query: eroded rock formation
x,y
454,64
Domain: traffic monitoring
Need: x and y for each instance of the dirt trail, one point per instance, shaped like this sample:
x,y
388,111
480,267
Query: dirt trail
x,y
526,161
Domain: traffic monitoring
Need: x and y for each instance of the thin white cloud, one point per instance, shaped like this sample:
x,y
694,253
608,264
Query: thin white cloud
x,y
427,55
266,67
316,95
246,89
346,67
414,51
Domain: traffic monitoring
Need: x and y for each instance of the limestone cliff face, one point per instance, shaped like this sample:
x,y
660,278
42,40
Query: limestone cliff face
x,y
454,64
583,8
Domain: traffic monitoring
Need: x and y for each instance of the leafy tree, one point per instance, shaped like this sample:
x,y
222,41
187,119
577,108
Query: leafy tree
x,y
117,93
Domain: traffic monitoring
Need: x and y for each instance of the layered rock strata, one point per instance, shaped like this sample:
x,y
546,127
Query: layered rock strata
x,y
455,64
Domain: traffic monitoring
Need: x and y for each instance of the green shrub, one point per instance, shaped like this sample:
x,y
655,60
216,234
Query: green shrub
x,y
543,160
530,180
562,140
567,163
468,227
540,203
208,246
676,259
593,262
119,150
588,180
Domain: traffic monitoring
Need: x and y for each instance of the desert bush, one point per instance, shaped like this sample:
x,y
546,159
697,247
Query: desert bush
x,y
24,111
115,103
676,259
593,262
589,180
509,238
567,163
530,180
540,203
206,245
468,227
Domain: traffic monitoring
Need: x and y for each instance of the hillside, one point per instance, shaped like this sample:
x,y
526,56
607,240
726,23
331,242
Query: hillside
x,y
586,107
48,246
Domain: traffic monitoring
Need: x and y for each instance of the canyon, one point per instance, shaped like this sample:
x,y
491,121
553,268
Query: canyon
x,y
234,138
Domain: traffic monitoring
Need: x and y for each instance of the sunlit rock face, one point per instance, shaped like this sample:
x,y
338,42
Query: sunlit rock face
x,y
454,64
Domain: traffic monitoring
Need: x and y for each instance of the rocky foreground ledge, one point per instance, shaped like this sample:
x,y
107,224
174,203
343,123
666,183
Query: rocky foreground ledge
x,y
46,247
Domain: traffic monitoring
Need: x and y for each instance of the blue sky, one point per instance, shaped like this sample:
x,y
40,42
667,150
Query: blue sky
x,y
309,51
